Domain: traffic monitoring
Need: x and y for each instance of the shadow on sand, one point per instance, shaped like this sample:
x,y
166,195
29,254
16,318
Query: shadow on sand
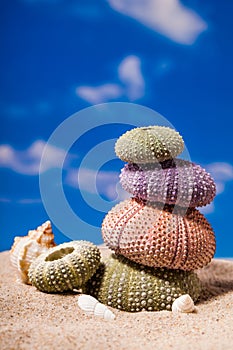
x,y
216,278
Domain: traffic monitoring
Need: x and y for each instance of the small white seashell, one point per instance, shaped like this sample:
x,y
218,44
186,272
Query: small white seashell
x,y
92,306
183,304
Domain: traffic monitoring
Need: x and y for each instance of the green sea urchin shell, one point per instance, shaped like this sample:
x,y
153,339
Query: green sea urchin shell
x,y
128,286
149,145
65,267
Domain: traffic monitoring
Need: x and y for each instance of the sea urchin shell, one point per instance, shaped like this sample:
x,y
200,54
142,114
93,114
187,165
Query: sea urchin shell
x,y
149,145
159,238
128,286
65,267
177,182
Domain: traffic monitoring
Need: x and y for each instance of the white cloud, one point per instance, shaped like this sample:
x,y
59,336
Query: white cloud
x,y
97,182
167,17
4,200
222,173
208,209
130,74
27,162
21,201
30,201
132,84
99,94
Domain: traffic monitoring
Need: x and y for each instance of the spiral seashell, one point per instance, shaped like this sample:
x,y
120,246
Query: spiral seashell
x,y
183,304
92,306
123,284
149,144
26,249
159,238
65,267
177,182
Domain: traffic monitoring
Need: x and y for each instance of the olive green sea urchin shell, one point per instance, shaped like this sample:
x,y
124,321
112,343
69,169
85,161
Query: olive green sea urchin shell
x,y
128,286
159,237
65,267
149,144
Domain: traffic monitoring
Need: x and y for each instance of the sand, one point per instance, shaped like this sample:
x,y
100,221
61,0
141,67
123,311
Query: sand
x,y
34,320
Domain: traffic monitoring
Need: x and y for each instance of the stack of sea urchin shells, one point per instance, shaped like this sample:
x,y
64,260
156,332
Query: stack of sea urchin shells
x,y
158,236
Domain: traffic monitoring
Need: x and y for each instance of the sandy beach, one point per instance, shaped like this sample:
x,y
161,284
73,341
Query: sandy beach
x,y
30,319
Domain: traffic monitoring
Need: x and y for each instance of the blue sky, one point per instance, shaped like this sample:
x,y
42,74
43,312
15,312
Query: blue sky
x,y
58,57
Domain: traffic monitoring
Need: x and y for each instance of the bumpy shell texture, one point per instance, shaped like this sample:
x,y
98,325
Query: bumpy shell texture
x,y
149,144
128,286
172,182
65,267
27,248
159,238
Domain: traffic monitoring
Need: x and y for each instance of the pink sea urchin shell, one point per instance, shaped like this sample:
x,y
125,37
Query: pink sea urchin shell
x,y
172,182
159,238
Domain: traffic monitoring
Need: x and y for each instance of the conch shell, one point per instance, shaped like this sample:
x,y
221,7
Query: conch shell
x,y
26,249
92,306
183,304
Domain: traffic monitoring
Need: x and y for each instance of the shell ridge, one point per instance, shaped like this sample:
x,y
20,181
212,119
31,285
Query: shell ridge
x,y
164,185
185,245
70,276
132,213
126,219
175,259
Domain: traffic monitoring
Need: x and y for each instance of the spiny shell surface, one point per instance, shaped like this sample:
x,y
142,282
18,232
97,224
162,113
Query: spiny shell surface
x,y
93,307
159,238
65,267
177,182
123,284
26,249
149,144
183,304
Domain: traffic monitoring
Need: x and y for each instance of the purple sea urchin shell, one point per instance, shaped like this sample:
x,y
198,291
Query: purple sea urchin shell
x,y
177,182
149,145
159,238
128,286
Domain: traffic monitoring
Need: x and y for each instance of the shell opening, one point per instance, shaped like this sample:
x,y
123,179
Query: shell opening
x,y
59,254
